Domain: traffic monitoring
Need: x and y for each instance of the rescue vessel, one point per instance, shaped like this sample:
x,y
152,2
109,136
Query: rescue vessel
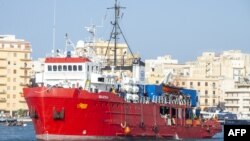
x,y
72,99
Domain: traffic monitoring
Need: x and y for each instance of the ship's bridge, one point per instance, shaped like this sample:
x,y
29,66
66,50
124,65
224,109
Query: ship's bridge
x,y
68,71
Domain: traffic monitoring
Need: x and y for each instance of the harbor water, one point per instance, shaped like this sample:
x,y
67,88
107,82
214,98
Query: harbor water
x,y
20,133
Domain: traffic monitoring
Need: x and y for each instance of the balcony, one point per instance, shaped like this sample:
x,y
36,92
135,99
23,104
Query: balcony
x,y
1,58
26,59
3,92
3,67
2,84
23,84
204,104
232,104
231,97
25,68
204,96
24,76
246,105
3,75
215,96
22,101
2,100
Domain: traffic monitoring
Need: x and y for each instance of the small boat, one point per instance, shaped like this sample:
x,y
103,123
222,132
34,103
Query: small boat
x,y
237,122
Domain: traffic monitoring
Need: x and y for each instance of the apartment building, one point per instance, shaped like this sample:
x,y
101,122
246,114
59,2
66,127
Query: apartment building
x,y
213,74
156,70
15,68
237,100
210,74
105,50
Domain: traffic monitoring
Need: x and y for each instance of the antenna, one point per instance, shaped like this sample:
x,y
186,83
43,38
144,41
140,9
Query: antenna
x,y
68,42
114,34
92,30
54,28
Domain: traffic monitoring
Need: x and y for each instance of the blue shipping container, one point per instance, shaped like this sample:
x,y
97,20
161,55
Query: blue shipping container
x,y
153,90
192,94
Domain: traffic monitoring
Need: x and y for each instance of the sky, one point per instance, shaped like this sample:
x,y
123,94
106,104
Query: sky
x,y
181,28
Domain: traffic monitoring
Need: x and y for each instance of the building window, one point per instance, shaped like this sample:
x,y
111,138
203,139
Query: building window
x,y
8,96
79,67
14,71
183,83
206,84
14,96
191,83
25,55
198,83
206,92
153,69
206,101
14,54
8,87
213,101
8,62
87,68
14,87
214,84
14,79
8,79
59,68
213,92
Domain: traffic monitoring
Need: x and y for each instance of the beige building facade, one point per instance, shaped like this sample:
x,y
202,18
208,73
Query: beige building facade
x,y
156,70
105,49
237,100
210,74
15,68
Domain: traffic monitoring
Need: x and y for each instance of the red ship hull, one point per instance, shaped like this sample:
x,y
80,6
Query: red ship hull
x,y
73,114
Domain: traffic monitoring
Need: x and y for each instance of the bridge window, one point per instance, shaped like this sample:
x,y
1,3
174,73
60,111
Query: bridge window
x,y
59,68
54,68
69,67
74,68
49,68
79,67
64,68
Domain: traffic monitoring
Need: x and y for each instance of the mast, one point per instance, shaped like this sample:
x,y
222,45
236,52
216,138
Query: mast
x,y
54,29
115,27
116,31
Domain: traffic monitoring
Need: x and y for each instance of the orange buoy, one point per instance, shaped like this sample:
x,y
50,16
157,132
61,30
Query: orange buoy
x,y
127,130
